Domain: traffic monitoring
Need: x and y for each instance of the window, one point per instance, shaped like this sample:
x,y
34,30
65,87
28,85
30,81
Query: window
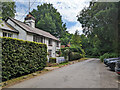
x,y
37,38
44,39
41,40
9,35
50,42
5,34
50,53
57,44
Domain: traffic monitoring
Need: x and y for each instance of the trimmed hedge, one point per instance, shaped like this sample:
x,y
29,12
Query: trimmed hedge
x,y
52,60
21,57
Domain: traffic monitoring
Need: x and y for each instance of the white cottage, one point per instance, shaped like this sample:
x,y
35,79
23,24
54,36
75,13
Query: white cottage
x,y
27,31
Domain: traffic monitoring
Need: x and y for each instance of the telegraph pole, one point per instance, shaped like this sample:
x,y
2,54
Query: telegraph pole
x,y
29,6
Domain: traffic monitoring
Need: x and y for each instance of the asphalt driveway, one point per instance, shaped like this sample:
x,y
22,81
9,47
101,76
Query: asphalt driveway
x,y
86,74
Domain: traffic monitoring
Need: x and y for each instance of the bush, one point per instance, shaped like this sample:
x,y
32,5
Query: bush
x,y
21,57
52,60
107,55
113,55
73,52
74,56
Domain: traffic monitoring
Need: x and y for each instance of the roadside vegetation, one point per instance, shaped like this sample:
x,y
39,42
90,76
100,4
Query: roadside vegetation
x,y
100,23
50,20
101,27
21,57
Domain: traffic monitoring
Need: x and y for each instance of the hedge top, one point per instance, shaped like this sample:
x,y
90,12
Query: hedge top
x,y
24,40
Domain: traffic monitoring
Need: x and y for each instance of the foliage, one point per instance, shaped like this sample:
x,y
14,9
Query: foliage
x,y
65,52
52,60
118,28
75,50
66,38
0,18
49,19
107,55
72,53
100,25
76,40
74,56
8,9
21,57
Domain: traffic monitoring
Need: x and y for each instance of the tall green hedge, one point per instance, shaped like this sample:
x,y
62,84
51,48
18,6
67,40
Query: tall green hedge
x,y
21,57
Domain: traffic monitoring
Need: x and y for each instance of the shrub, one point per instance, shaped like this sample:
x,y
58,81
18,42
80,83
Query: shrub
x,y
52,60
74,56
107,55
22,57
111,55
68,51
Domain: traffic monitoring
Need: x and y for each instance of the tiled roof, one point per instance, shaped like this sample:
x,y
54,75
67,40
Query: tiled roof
x,y
34,30
7,27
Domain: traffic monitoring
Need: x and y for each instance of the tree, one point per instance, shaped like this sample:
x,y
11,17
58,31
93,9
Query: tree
x,y
49,19
66,38
118,28
76,40
100,24
8,9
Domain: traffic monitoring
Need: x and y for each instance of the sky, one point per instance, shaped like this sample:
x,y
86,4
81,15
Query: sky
x,y
69,9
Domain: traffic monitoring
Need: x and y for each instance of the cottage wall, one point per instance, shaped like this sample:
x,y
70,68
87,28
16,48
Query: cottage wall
x,y
29,37
22,33
14,35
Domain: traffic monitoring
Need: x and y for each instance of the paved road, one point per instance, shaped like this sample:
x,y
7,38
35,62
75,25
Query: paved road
x,y
87,74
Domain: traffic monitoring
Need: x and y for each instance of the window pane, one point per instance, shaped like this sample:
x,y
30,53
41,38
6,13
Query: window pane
x,y
57,44
50,42
41,39
4,34
9,35
50,53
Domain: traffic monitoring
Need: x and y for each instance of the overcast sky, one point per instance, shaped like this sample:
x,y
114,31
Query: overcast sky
x,y
69,9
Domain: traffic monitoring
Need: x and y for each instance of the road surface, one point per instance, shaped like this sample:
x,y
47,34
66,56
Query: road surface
x,y
86,74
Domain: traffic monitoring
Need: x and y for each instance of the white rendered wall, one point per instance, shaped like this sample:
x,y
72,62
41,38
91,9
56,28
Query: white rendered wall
x,y
22,34
14,35
29,37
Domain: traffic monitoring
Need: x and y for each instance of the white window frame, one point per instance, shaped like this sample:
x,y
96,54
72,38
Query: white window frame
x,y
50,42
7,34
37,38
